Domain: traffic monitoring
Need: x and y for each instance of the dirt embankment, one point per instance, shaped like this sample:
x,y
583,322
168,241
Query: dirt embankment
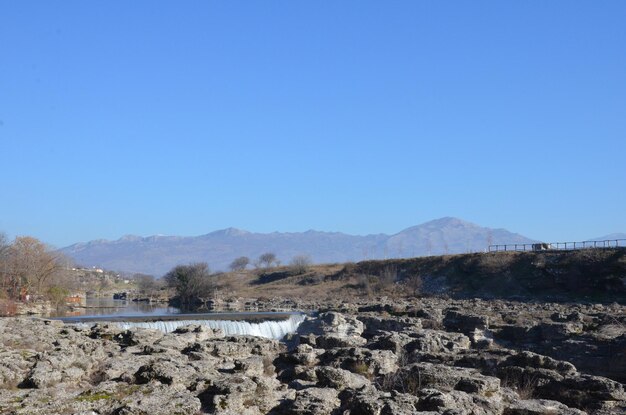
x,y
594,275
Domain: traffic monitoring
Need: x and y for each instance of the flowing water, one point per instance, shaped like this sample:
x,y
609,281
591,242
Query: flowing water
x,y
271,329
129,314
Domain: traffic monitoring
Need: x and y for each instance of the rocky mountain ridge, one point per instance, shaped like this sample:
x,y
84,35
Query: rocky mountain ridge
x,y
157,254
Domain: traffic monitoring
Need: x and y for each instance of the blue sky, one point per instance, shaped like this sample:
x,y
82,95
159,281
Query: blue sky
x,y
181,118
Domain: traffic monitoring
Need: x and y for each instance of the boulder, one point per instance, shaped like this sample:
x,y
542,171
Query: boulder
x,y
446,378
583,390
239,394
314,401
166,371
436,341
395,342
340,379
332,324
377,324
458,403
540,407
362,361
465,322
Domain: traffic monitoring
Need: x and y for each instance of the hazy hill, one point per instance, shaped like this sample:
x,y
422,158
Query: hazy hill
x,y
157,254
612,236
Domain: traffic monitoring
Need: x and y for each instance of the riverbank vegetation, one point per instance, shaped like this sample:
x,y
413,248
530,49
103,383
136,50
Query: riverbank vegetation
x,y
30,270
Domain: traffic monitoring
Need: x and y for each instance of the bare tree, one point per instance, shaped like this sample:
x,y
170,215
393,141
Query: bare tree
x,y
147,285
192,283
4,245
5,280
300,264
267,260
239,264
30,264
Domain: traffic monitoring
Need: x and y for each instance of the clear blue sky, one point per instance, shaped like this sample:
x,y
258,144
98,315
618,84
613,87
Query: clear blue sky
x,y
151,117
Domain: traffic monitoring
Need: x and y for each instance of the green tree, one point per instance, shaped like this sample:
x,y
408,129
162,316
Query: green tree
x,y
57,295
192,283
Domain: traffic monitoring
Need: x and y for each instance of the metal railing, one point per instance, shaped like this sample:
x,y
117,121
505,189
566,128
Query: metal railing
x,y
561,246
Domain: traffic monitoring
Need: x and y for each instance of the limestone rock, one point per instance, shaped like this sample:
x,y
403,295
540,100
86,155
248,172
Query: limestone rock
x,y
540,407
332,324
339,378
314,401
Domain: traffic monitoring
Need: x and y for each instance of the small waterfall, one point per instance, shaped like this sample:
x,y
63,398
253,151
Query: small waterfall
x,y
271,329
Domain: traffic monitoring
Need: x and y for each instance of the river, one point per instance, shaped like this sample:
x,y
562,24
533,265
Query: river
x,y
103,306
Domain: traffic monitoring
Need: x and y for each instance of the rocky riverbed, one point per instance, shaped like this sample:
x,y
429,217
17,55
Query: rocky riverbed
x,y
429,356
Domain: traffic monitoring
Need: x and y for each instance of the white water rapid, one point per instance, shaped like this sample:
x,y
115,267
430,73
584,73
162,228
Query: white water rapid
x,y
271,329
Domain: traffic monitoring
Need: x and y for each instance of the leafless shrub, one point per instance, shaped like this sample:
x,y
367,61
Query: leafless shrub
x,y
367,284
414,284
400,380
525,386
300,264
388,277
496,262
403,381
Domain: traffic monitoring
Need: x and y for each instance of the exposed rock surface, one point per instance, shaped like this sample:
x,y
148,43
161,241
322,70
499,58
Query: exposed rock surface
x,y
427,356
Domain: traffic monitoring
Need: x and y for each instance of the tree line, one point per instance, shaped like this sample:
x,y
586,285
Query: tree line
x,y
268,260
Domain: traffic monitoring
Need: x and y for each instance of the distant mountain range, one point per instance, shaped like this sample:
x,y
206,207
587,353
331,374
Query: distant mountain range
x,y
158,254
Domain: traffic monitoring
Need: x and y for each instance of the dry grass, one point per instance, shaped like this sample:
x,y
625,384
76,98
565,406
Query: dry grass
x,y
245,284
525,387
497,262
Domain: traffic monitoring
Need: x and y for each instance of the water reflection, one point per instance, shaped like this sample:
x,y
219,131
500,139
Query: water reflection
x,y
109,307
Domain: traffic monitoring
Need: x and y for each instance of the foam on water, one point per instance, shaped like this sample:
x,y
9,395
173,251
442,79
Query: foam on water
x,y
271,329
